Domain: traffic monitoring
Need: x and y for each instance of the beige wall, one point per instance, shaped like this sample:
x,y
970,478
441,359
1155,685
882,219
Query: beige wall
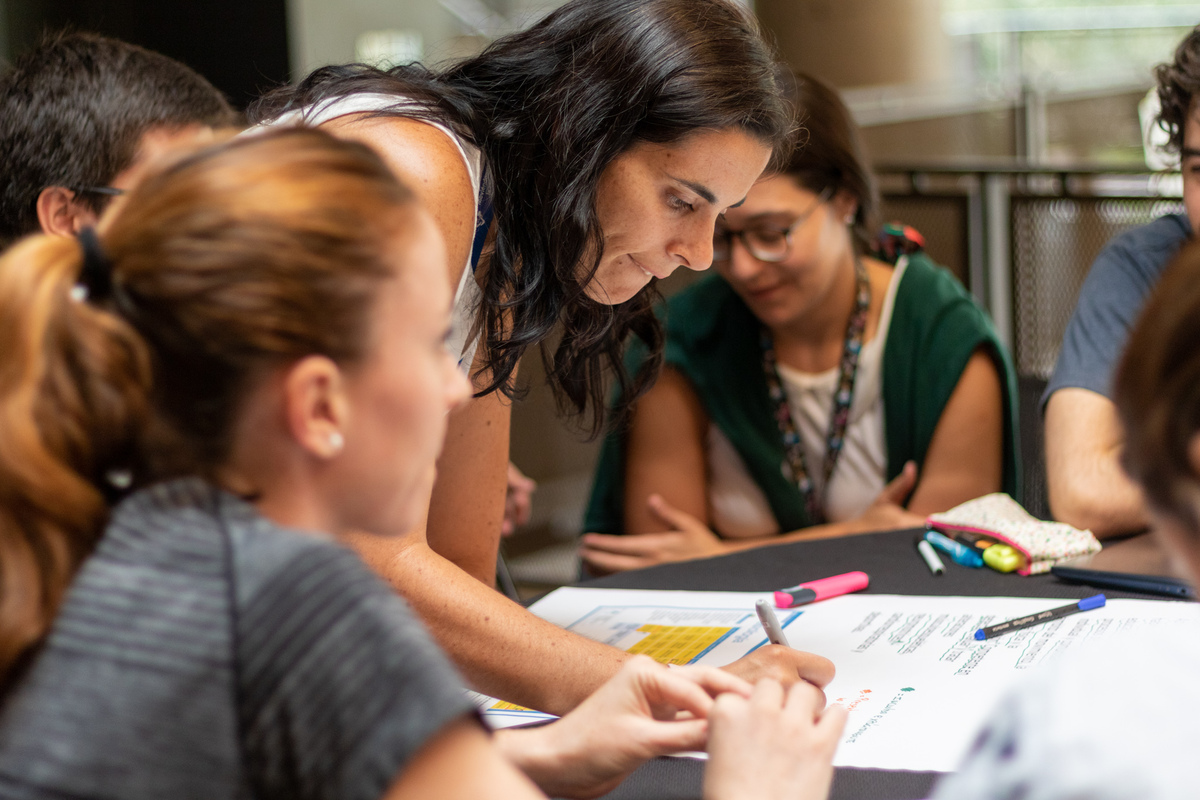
x,y
860,42
324,31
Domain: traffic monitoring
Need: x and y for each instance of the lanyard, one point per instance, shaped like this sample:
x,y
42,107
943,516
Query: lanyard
x,y
794,466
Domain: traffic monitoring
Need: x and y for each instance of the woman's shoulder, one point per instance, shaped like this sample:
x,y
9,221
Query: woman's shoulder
x,y
923,273
443,172
331,661
422,147
190,526
930,297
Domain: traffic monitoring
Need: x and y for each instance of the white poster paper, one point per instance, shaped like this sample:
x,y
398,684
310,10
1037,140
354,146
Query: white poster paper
x,y
916,682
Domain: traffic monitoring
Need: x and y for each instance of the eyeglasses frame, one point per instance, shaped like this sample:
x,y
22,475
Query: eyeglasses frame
x,y
823,198
108,191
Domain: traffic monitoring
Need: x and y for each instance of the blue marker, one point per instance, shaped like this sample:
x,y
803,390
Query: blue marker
x,y
1086,604
966,556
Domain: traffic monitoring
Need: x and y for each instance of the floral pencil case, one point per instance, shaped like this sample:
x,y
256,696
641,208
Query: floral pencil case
x,y
1042,544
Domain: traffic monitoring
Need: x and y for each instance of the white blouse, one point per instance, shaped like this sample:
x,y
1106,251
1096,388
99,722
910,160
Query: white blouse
x,y
739,508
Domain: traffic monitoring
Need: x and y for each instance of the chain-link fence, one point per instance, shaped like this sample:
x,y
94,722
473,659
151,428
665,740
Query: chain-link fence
x,y
1054,242
1023,240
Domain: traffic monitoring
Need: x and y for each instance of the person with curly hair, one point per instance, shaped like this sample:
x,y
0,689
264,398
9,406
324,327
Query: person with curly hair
x,y
1083,438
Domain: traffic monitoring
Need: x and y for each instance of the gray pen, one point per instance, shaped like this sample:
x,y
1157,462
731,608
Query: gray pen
x,y
770,623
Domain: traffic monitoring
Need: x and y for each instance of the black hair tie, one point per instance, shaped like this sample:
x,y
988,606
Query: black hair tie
x,y
96,277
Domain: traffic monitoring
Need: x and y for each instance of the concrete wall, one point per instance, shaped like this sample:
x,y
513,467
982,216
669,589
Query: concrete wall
x,y
860,42
324,31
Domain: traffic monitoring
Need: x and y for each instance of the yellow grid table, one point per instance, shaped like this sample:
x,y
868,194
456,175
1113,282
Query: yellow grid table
x,y
666,644
677,644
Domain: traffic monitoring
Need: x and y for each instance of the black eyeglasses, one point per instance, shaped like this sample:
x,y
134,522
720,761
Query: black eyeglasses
x,y
107,191
765,242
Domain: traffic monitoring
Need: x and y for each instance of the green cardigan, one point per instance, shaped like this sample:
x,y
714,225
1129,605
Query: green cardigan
x,y
712,339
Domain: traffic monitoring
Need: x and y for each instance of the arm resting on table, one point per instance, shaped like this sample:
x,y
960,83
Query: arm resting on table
x,y
1088,488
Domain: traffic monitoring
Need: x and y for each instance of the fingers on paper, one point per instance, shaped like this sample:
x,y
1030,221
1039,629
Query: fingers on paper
x,y
776,744
668,691
677,702
714,681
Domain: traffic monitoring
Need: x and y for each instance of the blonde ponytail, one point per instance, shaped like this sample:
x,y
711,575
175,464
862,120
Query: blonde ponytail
x,y
74,383
226,261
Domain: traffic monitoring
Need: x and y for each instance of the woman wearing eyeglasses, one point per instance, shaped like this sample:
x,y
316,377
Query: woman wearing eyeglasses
x,y
810,390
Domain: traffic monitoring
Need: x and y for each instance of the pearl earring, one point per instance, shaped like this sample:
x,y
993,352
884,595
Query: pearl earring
x,y
336,443
849,219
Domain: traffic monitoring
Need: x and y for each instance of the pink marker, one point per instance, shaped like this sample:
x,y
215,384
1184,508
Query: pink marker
x,y
804,593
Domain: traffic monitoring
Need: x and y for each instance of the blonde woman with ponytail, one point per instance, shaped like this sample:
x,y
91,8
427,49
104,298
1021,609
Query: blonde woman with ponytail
x,y
73,383
196,403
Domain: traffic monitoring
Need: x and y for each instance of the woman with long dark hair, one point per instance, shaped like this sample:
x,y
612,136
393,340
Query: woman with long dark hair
x,y
567,167
196,404
812,388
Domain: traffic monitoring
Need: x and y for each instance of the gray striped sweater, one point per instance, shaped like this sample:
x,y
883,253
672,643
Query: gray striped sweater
x,y
204,652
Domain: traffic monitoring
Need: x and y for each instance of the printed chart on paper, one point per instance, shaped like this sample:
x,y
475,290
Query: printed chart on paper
x,y
670,634
916,682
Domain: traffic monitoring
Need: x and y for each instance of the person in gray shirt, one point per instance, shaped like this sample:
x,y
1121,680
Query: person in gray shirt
x,y
249,358
1087,486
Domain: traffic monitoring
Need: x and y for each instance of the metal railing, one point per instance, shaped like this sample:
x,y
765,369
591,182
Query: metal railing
x,y
1023,238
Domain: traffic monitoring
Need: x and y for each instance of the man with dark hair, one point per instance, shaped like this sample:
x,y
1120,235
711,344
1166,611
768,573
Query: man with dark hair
x,y
80,116
1088,488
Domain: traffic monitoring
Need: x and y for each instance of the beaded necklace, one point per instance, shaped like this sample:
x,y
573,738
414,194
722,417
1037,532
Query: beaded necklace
x,y
794,466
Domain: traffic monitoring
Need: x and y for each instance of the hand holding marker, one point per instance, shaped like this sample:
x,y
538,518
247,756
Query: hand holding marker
x,y
770,623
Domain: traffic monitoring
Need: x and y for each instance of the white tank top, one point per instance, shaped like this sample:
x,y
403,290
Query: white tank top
x,y
464,338
739,508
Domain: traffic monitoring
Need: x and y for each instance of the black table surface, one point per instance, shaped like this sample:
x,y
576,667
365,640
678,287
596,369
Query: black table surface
x,y
891,561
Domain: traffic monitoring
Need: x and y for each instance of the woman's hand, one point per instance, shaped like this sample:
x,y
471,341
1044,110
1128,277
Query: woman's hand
x,y
686,538
518,500
645,710
887,512
776,745
785,666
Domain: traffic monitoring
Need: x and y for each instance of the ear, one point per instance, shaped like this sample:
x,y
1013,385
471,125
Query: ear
x,y
316,406
844,206
61,214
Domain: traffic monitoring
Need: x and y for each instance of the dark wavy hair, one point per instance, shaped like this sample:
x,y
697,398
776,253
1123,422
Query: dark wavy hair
x,y
551,107
829,155
1178,84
